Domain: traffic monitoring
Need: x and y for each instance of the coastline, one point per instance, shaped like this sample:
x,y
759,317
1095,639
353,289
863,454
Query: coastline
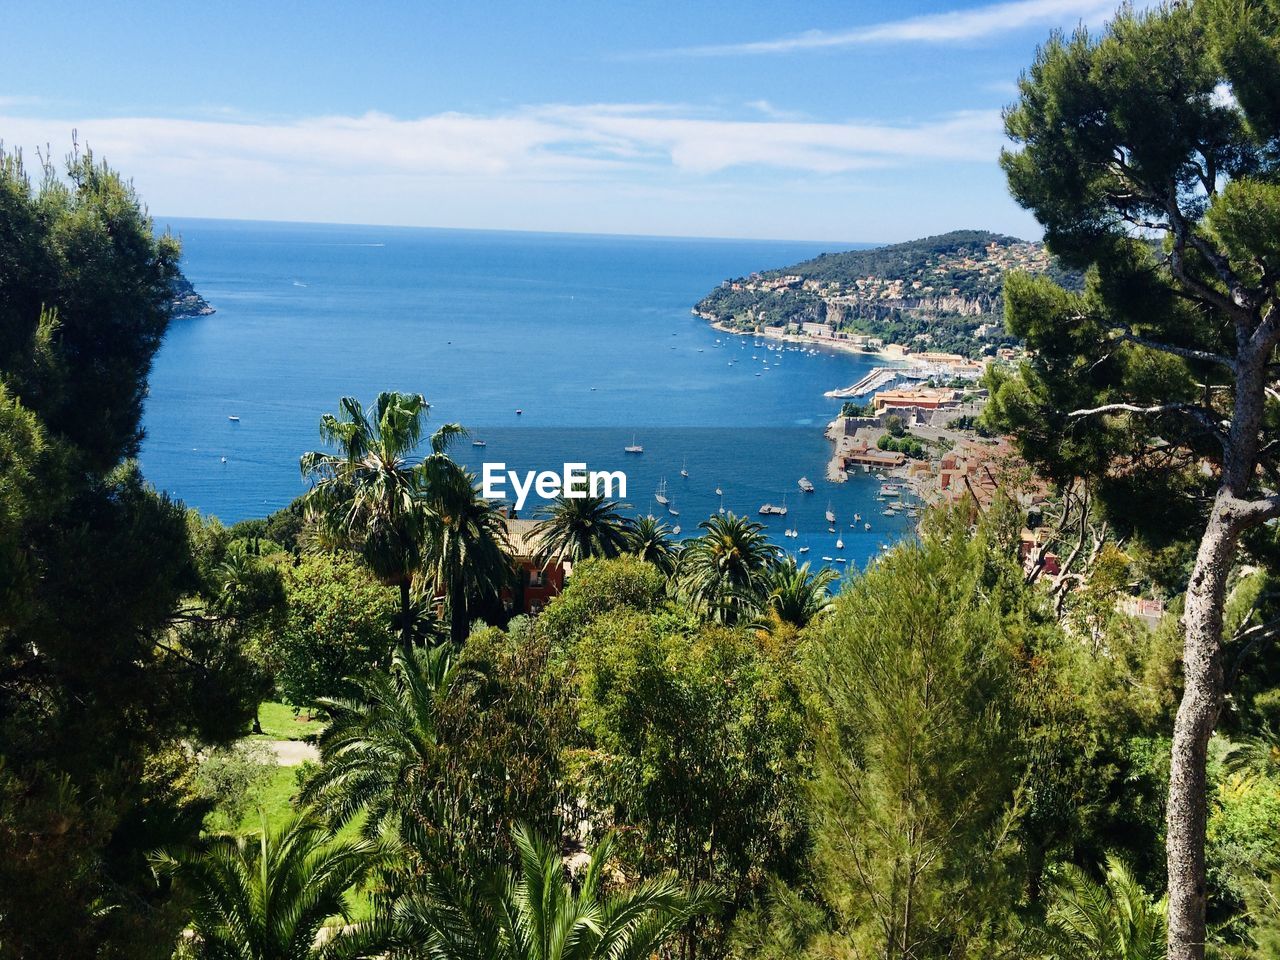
x,y
841,345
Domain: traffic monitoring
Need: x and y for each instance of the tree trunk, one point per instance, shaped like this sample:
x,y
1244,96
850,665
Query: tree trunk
x,y
1197,716
1203,691
458,623
406,619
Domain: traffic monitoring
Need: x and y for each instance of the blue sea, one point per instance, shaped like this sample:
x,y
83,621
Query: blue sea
x,y
590,337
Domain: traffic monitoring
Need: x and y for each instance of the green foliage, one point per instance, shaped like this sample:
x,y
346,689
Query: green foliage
x,y
722,572
337,624
535,913
794,595
575,528
905,443
266,897
651,542
941,262
1115,919
229,777
115,647
84,303
450,751
600,586
919,757
467,556
695,738
370,493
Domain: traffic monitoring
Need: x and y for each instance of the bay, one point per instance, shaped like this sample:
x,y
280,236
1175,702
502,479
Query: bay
x,y
591,337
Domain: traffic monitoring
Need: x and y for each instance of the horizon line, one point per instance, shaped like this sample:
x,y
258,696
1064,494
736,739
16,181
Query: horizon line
x,y
864,244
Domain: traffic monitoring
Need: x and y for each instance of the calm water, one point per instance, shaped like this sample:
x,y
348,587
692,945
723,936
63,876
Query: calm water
x,y
591,337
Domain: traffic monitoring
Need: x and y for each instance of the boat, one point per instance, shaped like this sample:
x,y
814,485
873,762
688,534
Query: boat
x,y
518,411
684,470
233,418
661,493
831,514
831,529
673,511
839,544
840,560
224,459
857,517
889,513
828,559
805,484
719,492
633,447
890,490
803,550
675,531
769,509
479,443
866,526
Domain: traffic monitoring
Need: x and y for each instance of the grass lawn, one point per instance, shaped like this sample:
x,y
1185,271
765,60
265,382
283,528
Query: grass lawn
x,y
275,799
279,722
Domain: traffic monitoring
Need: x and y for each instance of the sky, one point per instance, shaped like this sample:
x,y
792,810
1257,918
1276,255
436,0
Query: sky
x,y
869,121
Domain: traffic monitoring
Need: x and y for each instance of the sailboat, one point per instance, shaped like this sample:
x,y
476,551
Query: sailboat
x,y
673,511
831,514
719,492
661,493
634,447
721,510
839,544
684,470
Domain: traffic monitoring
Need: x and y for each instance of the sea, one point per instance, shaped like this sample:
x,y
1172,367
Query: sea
x,y
548,348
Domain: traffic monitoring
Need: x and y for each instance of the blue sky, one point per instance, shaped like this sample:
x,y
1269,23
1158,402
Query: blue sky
x,y
863,121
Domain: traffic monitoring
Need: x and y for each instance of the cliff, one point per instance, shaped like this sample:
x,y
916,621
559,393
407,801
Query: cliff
x,y
186,301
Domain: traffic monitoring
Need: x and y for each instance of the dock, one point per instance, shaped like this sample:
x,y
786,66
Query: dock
x,y
881,377
873,381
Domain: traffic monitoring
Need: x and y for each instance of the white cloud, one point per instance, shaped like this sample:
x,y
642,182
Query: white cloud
x,y
651,168
560,141
950,27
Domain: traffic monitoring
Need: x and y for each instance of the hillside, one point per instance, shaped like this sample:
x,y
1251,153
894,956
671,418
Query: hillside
x,y
940,293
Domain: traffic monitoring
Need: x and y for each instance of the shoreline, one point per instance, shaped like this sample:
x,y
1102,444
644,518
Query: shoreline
x,y
841,345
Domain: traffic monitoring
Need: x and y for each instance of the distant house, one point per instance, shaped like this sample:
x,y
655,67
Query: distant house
x,y
536,584
923,398
858,452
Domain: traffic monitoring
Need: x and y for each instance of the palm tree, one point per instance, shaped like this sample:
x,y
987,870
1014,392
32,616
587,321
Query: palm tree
x,y
380,751
723,570
468,557
1259,753
582,526
651,541
368,493
266,897
534,913
794,595
1112,920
